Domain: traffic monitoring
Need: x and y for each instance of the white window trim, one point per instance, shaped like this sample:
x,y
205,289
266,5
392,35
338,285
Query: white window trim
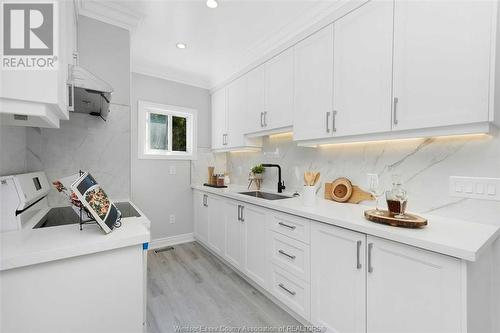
x,y
145,107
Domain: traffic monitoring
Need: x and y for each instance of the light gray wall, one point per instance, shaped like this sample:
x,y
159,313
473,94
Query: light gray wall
x,y
105,51
153,189
12,150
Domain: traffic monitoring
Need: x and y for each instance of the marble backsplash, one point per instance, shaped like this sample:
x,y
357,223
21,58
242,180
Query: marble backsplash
x,y
85,142
424,165
205,158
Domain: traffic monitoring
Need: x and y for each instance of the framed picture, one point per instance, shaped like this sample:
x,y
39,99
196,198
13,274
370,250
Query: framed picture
x,y
96,201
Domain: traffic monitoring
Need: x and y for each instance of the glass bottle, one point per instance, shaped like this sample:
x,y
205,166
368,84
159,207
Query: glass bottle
x,y
397,198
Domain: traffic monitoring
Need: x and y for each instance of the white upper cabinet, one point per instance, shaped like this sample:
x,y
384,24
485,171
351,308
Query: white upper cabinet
x,y
441,62
230,118
219,119
385,70
313,95
279,91
38,97
256,99
237,112
362,70
412,290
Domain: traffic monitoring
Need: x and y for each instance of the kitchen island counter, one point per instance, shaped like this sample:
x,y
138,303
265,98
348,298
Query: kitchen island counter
x,y
33,246
61,278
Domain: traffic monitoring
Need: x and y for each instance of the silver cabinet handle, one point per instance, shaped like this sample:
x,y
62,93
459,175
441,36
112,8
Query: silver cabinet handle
x,y
239,213
327,122
395,115
71,90
261,119
265,118
292,227
205,201
370,248
71,97
291,292
358,250
286,254
242,218
334,120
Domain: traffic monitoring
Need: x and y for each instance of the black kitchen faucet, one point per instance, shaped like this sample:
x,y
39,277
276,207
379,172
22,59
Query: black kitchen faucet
x,y
281,183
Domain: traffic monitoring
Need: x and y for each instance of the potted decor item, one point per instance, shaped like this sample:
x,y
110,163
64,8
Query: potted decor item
x,y
258,171
255,176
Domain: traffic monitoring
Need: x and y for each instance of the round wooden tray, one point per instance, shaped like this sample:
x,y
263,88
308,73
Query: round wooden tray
x,y
412,221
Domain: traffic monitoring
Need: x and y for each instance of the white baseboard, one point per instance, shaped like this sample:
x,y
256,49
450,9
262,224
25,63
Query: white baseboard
x,y
172,240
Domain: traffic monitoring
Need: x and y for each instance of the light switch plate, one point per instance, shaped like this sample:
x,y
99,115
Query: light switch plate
x,y
172,219
481,188
172,170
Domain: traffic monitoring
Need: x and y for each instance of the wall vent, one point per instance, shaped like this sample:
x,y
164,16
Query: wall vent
x,y
20,117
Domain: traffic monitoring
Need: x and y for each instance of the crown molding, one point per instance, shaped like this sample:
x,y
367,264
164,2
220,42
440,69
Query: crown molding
x,y
321,15
109,12
175,76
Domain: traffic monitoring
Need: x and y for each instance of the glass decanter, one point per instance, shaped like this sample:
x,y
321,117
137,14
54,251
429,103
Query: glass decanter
x,y
397,198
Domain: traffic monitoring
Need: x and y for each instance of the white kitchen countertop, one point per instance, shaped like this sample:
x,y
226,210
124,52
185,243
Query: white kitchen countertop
x,y
34,246
453,237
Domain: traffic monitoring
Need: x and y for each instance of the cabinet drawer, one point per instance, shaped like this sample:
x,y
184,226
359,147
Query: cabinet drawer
x,y
291,255
291,291
292,226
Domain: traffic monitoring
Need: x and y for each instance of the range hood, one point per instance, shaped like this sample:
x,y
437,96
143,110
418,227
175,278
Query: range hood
x,y
88,93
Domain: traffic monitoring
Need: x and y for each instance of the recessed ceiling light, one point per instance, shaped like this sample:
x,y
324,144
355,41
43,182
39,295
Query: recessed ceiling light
x,y
212,3
181,45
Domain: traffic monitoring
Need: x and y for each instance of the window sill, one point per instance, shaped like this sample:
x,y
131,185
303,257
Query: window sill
x,y
167,157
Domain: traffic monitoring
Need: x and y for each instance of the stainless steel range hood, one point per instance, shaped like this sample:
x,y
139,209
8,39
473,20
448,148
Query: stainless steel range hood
x,y
88,93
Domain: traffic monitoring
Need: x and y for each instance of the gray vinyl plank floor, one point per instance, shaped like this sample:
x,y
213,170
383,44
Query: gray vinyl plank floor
x,y
190,287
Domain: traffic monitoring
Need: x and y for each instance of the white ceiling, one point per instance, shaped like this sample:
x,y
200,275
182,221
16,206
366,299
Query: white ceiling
x,y
220,41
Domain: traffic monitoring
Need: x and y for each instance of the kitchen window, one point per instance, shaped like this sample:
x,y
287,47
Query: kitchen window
x,y
166,131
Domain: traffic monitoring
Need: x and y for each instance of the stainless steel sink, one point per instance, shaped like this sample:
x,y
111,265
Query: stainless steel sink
x,y
265,195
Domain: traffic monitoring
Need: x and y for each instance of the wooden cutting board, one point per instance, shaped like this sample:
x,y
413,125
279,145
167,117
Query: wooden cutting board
x,y
341,190
412,221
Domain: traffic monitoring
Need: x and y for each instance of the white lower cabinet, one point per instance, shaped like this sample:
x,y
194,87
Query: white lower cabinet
x,y
292,291
337,278
233,251
393,288
216,224
343,280
290,254
412,290
254,242
200,203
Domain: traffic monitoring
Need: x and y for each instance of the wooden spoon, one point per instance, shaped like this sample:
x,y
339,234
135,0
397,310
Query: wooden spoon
x,y
316,178
308,178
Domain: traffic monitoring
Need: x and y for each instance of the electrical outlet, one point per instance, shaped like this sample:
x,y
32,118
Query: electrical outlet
x,y
172,219
172,170
475,187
